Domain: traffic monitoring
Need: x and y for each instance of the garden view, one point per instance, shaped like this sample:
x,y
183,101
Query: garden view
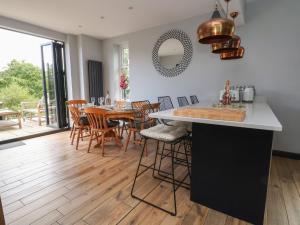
x,y
20,82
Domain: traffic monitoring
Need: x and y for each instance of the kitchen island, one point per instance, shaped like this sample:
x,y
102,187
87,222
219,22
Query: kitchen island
x,y
231,160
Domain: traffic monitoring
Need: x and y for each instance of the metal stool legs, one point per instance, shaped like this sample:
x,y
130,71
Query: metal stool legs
x,y
163,175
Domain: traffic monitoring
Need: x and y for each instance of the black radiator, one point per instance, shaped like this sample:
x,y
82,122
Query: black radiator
x,y
95,79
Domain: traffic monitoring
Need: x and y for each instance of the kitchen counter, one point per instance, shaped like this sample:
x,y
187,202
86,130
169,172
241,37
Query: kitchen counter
x,y
258,116
231,160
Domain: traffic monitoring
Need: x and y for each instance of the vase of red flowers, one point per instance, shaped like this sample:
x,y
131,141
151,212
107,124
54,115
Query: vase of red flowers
x,y
123,84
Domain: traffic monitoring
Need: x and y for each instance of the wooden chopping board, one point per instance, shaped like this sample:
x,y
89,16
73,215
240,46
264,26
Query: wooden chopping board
x,y
237,115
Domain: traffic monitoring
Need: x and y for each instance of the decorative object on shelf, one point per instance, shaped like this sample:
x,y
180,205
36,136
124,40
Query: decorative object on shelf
x,y
172,53
227,96
217,29
237,54
123,84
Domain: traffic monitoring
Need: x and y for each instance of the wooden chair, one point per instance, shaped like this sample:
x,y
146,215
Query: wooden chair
x,y
141,120
101,127
78,103
78,125
36,108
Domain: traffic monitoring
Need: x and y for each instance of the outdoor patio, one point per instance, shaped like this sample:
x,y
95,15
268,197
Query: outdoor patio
x,y
29,127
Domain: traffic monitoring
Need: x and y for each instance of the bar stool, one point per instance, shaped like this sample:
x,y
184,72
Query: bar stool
x,y
194,99
182,101
172,135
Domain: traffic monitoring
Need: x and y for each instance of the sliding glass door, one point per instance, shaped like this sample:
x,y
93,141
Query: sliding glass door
x,y
54,84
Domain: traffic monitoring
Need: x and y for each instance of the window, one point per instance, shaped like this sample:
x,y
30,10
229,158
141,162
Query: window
x,y
124,71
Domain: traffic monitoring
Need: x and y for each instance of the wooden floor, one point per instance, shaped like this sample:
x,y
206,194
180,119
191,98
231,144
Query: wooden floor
x,y
48,182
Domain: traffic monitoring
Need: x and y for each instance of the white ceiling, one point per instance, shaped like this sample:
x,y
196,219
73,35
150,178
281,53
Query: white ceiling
x,y
84,16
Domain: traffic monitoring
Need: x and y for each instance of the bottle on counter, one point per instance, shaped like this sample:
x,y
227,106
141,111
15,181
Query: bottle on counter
x,y
107,99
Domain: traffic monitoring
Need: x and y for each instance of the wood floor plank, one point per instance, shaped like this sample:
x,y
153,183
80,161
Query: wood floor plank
x,y
215,218
52,183
13,207
49,218
40,212
292,202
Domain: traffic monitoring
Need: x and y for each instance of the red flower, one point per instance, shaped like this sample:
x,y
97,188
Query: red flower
x,y
123,81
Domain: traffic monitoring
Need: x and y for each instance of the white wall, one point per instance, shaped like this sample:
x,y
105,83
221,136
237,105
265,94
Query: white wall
x,y
88,49
271,62
72,66
20,26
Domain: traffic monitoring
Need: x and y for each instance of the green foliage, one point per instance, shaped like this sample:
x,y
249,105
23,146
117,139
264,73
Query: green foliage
x,y
25,75
20,81
13,95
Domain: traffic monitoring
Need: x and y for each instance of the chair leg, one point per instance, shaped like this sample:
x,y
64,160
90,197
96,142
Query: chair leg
x,y
103,140
81,134
173,178
78,137
155,159
187,160
173,182
138,168
72,129
73,137
90,142
128,140
117,139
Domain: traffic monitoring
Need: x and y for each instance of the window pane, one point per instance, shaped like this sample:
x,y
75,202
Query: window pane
x,y
125,57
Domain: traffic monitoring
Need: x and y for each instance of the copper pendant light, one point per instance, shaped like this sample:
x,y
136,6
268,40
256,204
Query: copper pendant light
x,y
217,29
230,45
237,54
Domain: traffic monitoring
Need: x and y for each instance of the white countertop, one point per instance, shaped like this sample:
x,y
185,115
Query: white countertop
x,y
259,115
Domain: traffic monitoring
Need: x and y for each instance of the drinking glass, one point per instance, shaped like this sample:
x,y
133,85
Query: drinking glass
x,y
101,100
93,100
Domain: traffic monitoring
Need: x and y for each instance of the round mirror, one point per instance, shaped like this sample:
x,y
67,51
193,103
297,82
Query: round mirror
x,y
170,53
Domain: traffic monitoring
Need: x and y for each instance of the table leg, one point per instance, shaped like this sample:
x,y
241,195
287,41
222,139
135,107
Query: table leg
x,y
20,121
230,170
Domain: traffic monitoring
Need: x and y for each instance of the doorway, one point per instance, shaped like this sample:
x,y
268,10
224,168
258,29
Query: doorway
x,y
33,88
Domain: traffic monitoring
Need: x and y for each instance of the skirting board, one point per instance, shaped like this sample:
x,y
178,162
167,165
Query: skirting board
x,y
290,155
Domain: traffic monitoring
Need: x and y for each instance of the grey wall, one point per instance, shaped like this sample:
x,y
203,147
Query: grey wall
x,y
271,62
88,49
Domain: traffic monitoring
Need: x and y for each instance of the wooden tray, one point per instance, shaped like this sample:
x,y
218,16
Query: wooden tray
x,y
238,115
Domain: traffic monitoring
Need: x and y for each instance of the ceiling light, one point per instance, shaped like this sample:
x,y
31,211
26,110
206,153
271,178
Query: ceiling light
x,y
102,17
130,7
237,54
217,29
230,45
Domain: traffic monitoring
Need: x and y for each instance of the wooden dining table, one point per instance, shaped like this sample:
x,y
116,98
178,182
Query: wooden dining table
x,y
113,113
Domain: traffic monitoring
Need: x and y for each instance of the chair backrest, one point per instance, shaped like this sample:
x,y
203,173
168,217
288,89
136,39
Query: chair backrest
x,y
194,99
182,101
96,118
75,115
76,102
165,103
142,109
